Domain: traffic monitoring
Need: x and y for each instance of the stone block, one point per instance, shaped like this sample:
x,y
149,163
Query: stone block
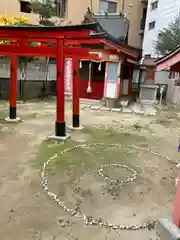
x,y
83,106
95,107
127,110
105,109
166,230
57,138
7,119
70,127
116,109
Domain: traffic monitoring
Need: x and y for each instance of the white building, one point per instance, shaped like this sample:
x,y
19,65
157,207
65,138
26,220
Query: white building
x,y
159,14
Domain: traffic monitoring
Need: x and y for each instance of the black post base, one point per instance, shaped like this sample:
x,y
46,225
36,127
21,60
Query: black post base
x,y
12,112
60,129
76,121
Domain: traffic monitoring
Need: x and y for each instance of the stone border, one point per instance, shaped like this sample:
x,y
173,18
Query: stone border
x,y
14,120
89,220
167,230
118,110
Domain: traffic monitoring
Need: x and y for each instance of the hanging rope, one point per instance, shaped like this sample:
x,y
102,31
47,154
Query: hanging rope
x,y
89,88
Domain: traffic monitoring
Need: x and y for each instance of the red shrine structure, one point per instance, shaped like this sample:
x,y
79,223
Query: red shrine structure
x,y
77,43
171,62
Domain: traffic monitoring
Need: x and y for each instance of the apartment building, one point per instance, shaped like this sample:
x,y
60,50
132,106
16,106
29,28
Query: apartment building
x,y
72,11
159,14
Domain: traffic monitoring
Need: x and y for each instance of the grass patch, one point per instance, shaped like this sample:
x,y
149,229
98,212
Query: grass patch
x,y
87,158
111,135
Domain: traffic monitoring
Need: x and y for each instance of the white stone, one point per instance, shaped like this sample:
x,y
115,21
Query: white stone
x,y
82,106
12,120
149,110
166,230
116,109
151,114
87,106
95,107
70,127
138,111
178,165
105,109
126,110
57,138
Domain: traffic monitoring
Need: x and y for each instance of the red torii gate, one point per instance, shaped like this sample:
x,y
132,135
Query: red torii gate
x,y
55,42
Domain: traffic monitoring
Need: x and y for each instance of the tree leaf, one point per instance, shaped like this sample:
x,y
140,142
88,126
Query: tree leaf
x,y
168,38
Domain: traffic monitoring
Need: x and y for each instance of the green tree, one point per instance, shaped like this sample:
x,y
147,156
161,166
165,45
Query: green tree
x,y
6,20
46,10
168,38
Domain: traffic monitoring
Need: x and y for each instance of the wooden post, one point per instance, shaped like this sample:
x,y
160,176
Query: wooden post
x,y
13,88
60,128
76,93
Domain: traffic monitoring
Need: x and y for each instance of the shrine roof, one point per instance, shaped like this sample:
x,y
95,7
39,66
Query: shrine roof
x,y
171,54
169,60
115,25
117,43
89,26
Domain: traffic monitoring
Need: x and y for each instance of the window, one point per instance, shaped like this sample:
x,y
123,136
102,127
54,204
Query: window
x,y
61,8
112,7
107,6
25,7
154,5
152,25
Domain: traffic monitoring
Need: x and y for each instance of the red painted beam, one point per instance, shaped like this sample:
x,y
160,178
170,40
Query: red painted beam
x,y
94,41
81,40
34,33
28,39
27,51
50,51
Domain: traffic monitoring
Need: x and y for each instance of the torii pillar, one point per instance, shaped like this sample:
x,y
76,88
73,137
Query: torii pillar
x,y
60,124
75,96
13,90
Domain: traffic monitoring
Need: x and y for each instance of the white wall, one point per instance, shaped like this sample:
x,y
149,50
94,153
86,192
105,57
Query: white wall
x,y
162,77
166,12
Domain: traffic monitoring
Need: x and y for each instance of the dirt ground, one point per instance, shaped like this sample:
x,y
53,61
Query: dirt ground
x,y
27,213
